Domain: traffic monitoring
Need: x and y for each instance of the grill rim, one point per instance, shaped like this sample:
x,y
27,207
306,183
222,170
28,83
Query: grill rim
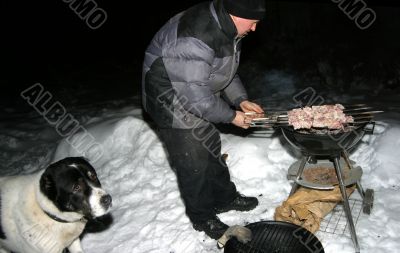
x,y
284,234
325,144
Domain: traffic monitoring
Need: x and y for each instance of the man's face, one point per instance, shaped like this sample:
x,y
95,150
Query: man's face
x,y
244,26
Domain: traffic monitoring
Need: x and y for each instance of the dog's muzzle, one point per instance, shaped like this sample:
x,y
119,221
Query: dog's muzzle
x,y
106,201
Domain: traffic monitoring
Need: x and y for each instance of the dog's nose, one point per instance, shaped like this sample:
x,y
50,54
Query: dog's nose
x,y
106,200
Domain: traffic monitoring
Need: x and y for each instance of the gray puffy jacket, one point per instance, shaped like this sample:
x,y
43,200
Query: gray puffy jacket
x,y
189,70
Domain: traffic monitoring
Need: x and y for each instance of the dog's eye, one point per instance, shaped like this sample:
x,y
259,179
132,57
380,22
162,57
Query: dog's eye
x,y
76,188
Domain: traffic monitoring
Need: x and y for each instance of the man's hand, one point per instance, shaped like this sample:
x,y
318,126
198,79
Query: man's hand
x,y
243,121
248,106
240,120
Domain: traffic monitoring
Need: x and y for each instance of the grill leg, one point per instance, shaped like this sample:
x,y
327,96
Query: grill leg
x,y
299,173
346,204
359,187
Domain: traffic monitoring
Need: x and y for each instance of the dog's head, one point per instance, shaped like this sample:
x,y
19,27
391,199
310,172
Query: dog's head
x,y
71,184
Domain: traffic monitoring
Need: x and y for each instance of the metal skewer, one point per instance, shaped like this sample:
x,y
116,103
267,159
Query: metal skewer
x,y
357,122
357,109
353,105
360,113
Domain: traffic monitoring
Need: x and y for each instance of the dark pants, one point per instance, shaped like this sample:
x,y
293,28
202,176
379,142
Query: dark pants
x,y
203,177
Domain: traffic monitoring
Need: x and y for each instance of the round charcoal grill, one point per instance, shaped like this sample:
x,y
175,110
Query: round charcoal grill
x,y
276,237
324,143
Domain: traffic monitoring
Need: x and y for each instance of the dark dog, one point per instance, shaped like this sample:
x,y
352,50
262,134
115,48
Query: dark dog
x,y
47,211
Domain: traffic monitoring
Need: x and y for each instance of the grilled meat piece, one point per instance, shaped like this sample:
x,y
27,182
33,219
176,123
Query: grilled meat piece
x,y
324,116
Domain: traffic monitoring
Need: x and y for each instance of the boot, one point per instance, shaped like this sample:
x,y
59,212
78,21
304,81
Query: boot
x,y
213,227
240,203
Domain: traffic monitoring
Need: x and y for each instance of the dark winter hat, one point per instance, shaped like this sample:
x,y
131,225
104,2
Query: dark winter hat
x,y
249,9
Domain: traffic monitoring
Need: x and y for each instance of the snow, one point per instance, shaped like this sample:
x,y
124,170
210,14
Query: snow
x,y
148,215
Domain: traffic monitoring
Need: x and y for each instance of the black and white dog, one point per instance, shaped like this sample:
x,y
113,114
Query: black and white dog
x,y
47,211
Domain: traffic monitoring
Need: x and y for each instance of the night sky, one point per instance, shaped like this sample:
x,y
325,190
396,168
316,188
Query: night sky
x,y
50,31
47,42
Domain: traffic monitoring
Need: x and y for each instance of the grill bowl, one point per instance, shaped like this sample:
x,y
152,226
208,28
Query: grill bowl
x,y
326,143
274,237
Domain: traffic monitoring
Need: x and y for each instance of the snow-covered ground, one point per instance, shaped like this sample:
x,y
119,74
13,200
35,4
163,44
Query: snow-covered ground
x,y
148,215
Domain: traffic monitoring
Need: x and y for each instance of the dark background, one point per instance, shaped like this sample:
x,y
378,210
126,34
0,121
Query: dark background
x,y
46,42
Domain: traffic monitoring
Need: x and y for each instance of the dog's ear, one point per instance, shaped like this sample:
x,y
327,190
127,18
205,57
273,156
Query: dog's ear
x,y
47,184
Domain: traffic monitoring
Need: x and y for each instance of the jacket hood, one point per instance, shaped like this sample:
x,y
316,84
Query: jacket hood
x,y
225,20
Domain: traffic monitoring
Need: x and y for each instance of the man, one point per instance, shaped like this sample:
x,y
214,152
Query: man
x,y
189,83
